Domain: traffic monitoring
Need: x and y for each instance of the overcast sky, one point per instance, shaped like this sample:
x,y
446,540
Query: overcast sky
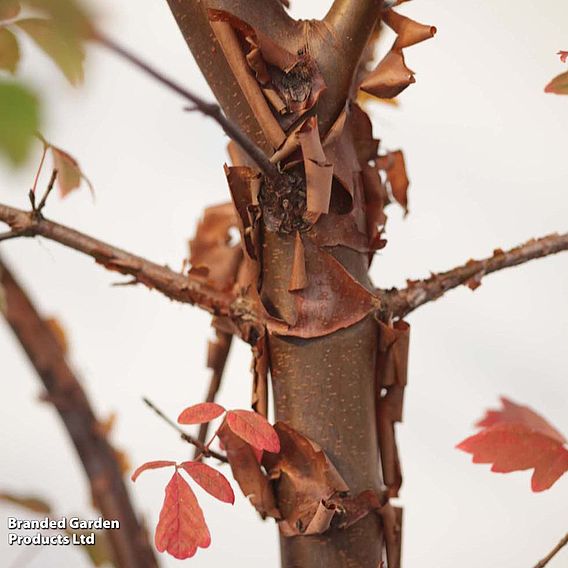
x,y
486,154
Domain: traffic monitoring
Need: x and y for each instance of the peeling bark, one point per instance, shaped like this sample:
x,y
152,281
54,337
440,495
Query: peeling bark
x,y
308,200
324,387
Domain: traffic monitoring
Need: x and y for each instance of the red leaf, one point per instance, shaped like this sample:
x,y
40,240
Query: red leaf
x,y
181,528
516,413
254,484
253,429
151,465
516,438
213,481
200,413
558,85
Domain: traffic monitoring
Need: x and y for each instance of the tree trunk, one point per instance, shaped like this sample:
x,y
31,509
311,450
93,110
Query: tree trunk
x,y
323,387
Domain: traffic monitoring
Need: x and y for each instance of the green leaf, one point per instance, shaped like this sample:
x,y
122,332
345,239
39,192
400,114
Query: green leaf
x,y
558,85
9,51
19,120
9,9
31,503
63,47
64,12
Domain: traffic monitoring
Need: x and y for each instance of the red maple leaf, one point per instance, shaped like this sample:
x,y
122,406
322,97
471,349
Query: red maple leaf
x,y
516,438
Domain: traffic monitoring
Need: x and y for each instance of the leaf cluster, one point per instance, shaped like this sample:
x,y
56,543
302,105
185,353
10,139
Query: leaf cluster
x,y
59,28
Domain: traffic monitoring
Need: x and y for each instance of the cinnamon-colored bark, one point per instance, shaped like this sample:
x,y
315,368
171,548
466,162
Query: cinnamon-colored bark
x,y
325,380
399,303
309,227
192,289
130,544
323,387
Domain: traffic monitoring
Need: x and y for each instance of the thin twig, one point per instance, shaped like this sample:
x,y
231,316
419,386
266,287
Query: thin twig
x,y
185,436
399,303
192,289
212,110
223,344
542,563
47,191
63,389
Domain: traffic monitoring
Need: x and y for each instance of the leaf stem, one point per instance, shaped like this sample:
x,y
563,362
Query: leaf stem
x,y
45,147
204,450
47,191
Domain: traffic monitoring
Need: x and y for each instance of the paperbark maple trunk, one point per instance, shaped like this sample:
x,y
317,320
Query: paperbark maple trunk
x,y
323,387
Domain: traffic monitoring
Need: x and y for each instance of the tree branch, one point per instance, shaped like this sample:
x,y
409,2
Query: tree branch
x,y
348,17
399,303
191,289
130,543
553,552
193,21
352,23
212,110
203,449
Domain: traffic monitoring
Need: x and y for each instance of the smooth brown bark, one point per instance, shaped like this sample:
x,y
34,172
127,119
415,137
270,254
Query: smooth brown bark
x,y
325,388
130,544
321,388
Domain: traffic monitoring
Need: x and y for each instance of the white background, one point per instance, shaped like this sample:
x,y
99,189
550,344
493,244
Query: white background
x,y
486,153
